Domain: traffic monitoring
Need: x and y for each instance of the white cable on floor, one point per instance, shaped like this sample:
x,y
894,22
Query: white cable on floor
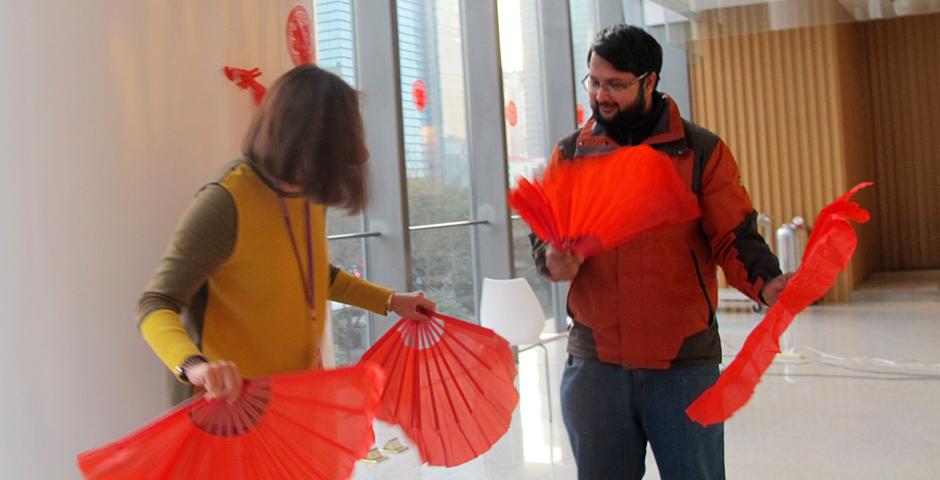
x,y
884,369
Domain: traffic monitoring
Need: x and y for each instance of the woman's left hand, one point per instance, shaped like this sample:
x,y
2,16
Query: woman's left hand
x,y
412,305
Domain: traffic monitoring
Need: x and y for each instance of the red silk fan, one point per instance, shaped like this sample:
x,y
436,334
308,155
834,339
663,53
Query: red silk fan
x,y
598,203
298,425
450,386
828,251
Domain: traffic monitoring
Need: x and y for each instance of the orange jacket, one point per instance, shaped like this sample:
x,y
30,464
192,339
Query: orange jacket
x,y
650,303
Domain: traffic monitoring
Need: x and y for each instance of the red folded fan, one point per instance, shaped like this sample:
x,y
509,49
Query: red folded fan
x,y
828,251
297,425
450,386
597,203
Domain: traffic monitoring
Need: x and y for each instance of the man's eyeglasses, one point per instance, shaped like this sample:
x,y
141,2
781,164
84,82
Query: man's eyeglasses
x,y
615,87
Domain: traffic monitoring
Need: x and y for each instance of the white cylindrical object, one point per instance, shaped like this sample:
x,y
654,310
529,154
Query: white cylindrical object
x,y
786,248
800,238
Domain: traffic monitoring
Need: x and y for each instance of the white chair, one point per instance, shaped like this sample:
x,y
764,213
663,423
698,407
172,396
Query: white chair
x,y
511,309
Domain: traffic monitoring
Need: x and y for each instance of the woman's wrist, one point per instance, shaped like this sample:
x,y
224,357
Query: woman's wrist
x,y
186,364
388,302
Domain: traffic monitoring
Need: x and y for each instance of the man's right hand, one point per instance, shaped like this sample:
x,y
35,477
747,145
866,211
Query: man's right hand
x,y
564,266
220,379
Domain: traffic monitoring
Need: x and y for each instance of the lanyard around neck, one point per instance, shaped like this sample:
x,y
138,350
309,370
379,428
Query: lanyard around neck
x,y
306,280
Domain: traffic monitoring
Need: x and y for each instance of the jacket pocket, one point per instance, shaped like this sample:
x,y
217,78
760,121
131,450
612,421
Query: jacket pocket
x,y
701,284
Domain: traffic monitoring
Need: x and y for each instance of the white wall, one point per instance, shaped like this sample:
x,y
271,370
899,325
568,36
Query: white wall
x,y
112,114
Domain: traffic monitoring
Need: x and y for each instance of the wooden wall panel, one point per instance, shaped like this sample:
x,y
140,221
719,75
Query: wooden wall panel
x,y
904,65
858,143
794,107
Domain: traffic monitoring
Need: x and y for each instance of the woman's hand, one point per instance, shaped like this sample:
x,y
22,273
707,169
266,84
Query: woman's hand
x,y
412,305
220,379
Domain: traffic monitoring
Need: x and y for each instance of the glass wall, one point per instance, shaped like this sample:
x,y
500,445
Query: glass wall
x,y
437,166
528,147
439,247
583,28
336,52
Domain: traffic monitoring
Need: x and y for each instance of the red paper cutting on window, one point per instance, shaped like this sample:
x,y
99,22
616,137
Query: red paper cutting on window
x,y
298,425
830,247
512,113
597,203
419,94
450,386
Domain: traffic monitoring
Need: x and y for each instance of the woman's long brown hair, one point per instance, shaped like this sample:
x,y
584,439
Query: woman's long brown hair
x,y
308,133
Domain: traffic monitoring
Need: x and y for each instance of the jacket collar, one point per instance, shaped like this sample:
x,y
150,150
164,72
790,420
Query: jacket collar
x,y
668,135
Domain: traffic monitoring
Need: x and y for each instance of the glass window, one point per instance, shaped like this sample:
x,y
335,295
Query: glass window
x,y
336,53
350,325
583,28
436,153
526,136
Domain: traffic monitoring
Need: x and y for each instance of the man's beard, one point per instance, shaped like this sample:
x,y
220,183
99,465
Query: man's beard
x,y
625,119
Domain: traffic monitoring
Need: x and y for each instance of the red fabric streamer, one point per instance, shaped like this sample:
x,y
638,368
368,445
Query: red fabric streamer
x,y
830,247
597,203
245,79
450,386
298,425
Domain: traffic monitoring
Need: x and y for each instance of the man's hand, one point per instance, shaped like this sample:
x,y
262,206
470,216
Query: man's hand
x,y
564,266
772,289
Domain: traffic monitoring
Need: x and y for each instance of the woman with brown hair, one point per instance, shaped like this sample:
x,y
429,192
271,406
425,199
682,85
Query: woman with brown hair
x,y
248,265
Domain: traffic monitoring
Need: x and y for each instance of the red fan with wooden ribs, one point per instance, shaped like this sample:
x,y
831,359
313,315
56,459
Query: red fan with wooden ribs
x,y
298,425
599,202
830,247
450,386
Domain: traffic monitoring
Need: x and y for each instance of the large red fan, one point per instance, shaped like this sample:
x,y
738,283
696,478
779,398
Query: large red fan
x,y
450,386
597,203
298,425
828,251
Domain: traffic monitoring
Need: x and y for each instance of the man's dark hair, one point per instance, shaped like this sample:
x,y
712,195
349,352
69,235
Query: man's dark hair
x,y
628,49
308,133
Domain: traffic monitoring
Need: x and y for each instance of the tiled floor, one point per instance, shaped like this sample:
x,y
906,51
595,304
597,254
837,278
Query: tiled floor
x,y
863,404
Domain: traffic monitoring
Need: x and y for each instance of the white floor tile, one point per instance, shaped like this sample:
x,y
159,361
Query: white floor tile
x,y
853,415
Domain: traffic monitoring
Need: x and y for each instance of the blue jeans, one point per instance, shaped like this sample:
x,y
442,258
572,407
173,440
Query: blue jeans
x,y
612,413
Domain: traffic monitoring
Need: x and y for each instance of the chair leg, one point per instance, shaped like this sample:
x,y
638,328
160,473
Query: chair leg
x,y
548,384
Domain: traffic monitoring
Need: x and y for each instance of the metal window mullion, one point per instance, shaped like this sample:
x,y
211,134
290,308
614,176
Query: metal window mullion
x,y
389,255
487,142
560,100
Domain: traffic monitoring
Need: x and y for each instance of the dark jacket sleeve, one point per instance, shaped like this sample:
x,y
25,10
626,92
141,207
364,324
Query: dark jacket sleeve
x,y
730,222
538,254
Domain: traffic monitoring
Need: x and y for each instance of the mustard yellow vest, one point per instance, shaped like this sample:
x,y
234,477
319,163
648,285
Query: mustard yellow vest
x,y
256,313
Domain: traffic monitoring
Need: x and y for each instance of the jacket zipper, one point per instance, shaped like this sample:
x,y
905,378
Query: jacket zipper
x,y
701,284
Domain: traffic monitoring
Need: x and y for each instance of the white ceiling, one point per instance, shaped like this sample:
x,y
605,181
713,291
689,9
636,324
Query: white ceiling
x,y
859,9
